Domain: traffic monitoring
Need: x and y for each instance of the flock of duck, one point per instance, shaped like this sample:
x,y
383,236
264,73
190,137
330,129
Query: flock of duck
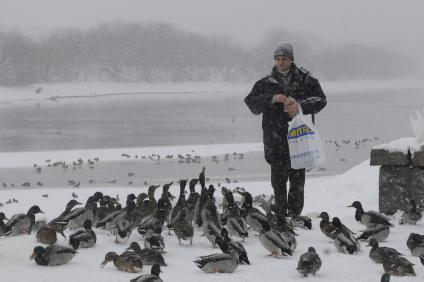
x,y
149,217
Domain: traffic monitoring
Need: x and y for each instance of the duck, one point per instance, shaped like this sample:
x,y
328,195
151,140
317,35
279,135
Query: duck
x,y
109,222
153,239
83,238
123,224
151,204
22,223
326,226
211,222
254,216
2,224
221,263
127,262
148,256
385,277
57,224
155,221
52,255
77,217
225,243
181,203
152,277
46,234
369,217
236,224
309,262
165,198
183,228
379,254
274,241
411,216
422,259
192,198
301,221
398,266
379,232
201,201
415,244
344,240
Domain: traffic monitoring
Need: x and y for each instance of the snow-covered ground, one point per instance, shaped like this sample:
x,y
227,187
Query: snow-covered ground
x,y
331,194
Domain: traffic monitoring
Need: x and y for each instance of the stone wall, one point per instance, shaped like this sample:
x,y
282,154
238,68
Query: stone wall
x,y
401,178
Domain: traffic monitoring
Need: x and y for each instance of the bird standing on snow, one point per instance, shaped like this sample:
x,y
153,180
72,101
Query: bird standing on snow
x,y
21,223
52,255
411,216
369,217
222,263
415,244
309,263
152,277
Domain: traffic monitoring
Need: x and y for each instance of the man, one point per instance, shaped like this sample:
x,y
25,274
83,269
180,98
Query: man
x,y
278,97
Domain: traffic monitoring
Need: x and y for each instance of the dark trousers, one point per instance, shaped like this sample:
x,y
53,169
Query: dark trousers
x,y
293,202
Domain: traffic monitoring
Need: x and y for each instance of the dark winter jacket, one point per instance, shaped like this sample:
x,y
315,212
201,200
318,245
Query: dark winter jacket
x,y
304,88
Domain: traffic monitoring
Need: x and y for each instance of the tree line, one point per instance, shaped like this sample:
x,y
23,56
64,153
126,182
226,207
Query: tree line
x,y
136,52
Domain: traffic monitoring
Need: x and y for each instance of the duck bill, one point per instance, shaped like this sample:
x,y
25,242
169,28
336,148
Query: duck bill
x,y
349,206
32,256
103,263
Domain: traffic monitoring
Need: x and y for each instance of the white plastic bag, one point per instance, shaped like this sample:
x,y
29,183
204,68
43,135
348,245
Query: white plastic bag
x,y
305,147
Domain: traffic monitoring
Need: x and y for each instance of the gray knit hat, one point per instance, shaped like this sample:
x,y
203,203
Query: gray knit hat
x,y
284,49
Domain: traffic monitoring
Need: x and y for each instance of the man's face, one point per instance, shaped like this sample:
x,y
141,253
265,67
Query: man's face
x,y
283,63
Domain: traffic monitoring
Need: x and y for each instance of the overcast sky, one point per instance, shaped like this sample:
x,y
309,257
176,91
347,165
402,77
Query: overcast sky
x,y
392,23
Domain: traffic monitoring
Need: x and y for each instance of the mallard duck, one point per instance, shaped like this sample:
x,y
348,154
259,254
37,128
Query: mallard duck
x,y
181,203
385,277
149,256
301,221
2,224
183,229
222,263
46,234
379,232
192,198
415,244
254,217
411,216
235,223
52,255
155,221
152,277
166,204
128,261
150,205
344,240
226,244
78,216
57,224
123,224
153,239
274,241
326,226
369,217
309,263
422,259
398,266
201,201
83,238
211,223
21,223
379,254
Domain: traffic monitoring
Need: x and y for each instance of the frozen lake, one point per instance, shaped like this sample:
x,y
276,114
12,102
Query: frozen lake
x,y
169,119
